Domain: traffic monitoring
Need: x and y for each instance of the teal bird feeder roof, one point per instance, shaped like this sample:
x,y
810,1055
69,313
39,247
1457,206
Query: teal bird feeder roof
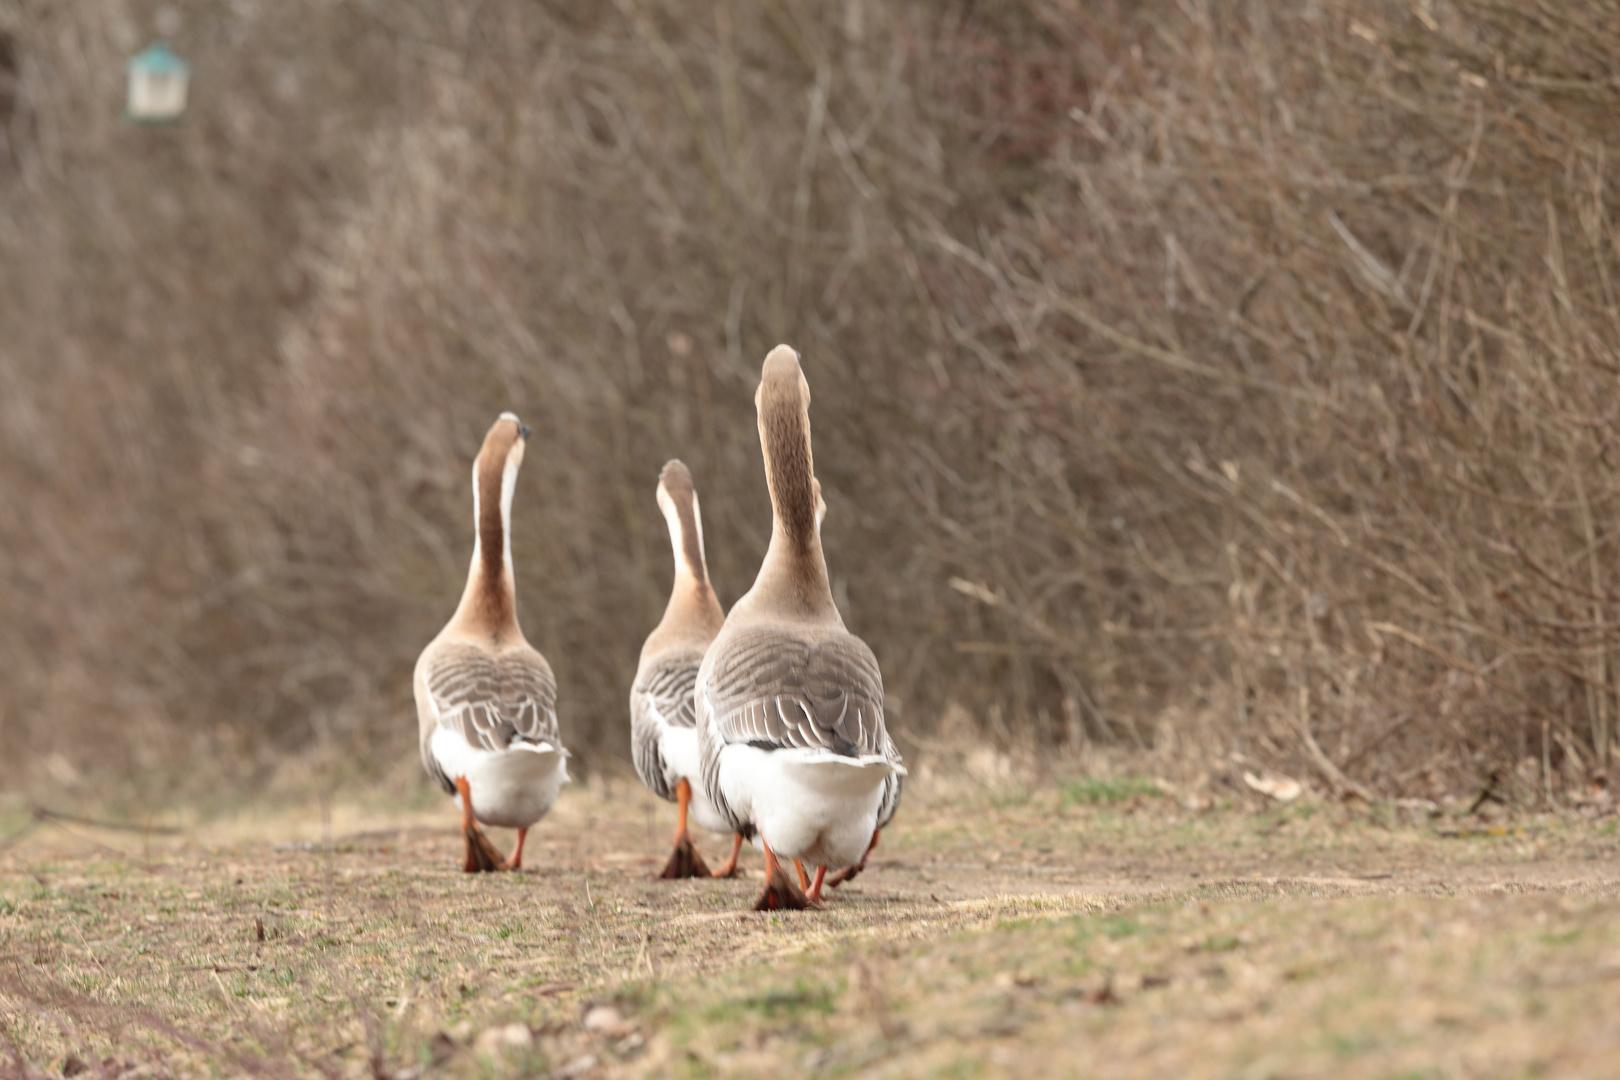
x,y
158,59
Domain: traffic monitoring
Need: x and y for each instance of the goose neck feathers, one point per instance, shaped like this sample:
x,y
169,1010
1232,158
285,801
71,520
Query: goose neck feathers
x,y
793,580
693,613
489,604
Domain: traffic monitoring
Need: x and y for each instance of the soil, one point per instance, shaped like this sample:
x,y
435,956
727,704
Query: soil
x,y
1059,931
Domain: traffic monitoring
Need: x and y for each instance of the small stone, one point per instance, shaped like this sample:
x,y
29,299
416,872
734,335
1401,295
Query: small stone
x,y
498,1040
604,1019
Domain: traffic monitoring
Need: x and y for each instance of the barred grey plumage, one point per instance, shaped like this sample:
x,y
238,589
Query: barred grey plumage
x,y
492,699
660,698
823,690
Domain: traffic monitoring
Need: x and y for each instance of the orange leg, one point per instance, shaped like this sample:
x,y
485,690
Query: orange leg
x,y
481,854
813,894
730,867
684,861
468,823
515,861
683,799
804,879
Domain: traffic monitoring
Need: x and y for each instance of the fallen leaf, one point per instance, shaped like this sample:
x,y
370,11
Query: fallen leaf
x,y
1281,788
1103,995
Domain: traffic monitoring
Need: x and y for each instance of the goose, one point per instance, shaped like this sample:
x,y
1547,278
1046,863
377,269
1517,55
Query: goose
x,y
663,715
789,702
663,722
486,700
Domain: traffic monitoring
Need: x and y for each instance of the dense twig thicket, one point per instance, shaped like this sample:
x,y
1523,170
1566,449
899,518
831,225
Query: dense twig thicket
x,y
1208,377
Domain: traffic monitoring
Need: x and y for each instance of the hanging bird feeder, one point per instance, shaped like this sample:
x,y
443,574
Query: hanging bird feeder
x,y
157,86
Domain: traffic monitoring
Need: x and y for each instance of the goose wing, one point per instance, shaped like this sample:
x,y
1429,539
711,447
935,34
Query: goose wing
x,y
666,686
661,698
491,699
774,688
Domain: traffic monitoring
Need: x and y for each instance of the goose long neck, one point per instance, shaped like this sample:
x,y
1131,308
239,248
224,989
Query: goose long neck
x,y
692,604
794,574
489,603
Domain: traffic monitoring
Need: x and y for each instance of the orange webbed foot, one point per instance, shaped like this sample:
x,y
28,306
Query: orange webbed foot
x,y
684,861
782,893
482,856
848,873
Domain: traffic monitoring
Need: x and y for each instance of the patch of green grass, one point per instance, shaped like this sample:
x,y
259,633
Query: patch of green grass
x,y
802,999
1351,1045
1010,799
1108,790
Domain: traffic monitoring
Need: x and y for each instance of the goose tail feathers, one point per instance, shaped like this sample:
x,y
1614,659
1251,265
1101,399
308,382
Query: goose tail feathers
x,y
833,775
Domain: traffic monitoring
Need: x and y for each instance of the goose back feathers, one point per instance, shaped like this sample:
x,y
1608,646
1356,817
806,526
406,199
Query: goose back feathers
x,y
783,687
492,700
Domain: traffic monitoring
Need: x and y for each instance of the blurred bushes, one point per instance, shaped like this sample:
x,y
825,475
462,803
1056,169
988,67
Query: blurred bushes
x,y
1215,380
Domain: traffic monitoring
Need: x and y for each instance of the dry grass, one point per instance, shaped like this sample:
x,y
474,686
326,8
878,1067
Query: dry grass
x,y
1097,929
1187,376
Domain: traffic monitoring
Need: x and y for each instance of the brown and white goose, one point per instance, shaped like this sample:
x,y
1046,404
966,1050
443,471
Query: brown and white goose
x,y
663,720
486,701
789,702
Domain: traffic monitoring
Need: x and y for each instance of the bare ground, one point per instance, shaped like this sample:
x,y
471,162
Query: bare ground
x,y
1096,929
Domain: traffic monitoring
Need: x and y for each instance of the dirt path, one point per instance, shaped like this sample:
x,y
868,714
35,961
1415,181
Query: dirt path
x,y
1028,934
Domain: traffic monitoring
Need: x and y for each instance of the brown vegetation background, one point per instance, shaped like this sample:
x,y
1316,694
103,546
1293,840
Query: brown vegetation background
x,y
1217,379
